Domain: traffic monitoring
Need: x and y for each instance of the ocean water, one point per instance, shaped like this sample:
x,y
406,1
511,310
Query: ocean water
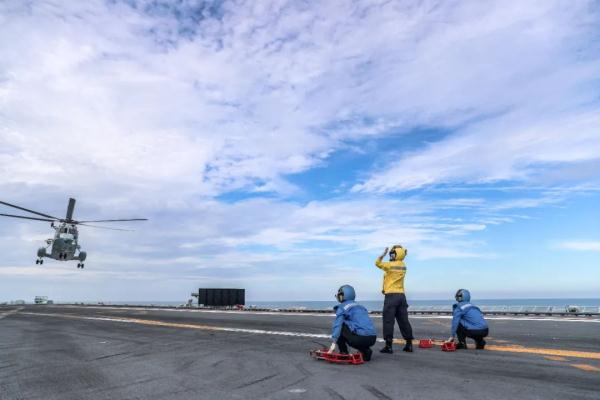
x,y
374,305
378,304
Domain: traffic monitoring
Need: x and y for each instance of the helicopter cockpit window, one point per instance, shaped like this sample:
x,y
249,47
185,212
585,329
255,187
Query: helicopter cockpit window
x,y
67,233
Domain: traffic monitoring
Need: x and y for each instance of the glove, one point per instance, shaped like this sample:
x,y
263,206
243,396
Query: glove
x,y
450,339
331,348
384,252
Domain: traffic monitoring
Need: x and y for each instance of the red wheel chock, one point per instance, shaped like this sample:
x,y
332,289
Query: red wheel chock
x,y
425,343
337,358
448,346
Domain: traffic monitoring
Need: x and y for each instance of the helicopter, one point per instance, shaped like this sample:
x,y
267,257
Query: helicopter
x,y
65,246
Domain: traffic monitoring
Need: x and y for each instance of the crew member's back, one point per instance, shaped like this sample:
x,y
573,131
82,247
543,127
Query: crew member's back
x,y
468,321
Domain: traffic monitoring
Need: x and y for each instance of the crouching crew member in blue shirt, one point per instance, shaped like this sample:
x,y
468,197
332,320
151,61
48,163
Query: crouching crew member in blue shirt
x,y
467,321
352,325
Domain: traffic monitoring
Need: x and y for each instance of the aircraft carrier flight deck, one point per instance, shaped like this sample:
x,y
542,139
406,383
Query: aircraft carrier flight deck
x,y
82,352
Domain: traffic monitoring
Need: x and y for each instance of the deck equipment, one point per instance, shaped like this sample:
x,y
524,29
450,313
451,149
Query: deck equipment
x,y
337,358
448,346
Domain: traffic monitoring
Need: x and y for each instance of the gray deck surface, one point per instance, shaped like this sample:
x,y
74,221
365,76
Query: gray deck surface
x,y
64,356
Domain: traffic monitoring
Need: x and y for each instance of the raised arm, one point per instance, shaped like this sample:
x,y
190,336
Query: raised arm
x,y
379,263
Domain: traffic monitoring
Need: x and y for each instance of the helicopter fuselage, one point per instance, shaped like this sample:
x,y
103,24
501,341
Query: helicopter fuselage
x,y
63,247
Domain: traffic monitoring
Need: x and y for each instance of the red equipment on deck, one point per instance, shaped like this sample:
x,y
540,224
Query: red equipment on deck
x,y
425,343
337,358
448,346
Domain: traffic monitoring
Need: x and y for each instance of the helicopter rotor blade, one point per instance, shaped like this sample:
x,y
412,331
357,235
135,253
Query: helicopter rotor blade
x,y
33,218
113,220
30,211
70,209
106,227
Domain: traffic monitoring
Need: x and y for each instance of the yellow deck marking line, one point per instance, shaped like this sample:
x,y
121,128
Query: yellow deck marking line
x,y
182,325
586,367
555,358
509,349
545,352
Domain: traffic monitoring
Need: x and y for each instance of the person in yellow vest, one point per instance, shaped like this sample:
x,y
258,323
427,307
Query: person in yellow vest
x,y
395,306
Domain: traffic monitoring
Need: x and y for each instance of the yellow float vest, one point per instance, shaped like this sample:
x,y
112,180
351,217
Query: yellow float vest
x,y
394,272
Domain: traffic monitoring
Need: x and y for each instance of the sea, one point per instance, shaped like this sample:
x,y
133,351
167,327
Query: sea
x,y
374,305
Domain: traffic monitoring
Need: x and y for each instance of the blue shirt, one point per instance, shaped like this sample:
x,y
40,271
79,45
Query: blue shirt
x,y
467,315
355,316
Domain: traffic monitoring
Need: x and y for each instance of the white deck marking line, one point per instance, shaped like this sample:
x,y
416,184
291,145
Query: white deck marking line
x,y
11,312
183,325
509,349
308,314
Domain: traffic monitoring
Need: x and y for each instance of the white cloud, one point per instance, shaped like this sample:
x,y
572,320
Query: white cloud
x,y
154,110
244,95
580,245
485,155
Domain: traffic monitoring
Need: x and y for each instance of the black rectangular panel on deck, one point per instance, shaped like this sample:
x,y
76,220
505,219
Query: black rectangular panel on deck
x,y
221,297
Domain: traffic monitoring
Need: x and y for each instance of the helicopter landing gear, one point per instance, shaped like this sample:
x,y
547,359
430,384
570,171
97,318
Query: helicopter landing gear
x,y
39,261
80,265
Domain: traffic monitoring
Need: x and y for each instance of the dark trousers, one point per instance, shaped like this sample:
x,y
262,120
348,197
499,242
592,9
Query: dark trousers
x,y
395,308
359,342
463,333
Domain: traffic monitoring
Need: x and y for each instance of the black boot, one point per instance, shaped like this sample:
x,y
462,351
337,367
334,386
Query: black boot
x,y
461,345
480,345
387,349
408,346
366,354
342,348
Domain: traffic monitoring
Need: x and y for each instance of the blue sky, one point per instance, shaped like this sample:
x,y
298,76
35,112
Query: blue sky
x,y
281,145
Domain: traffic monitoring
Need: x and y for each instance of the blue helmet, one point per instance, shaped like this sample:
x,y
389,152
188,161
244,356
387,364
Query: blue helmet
x,y
345,293
462,295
